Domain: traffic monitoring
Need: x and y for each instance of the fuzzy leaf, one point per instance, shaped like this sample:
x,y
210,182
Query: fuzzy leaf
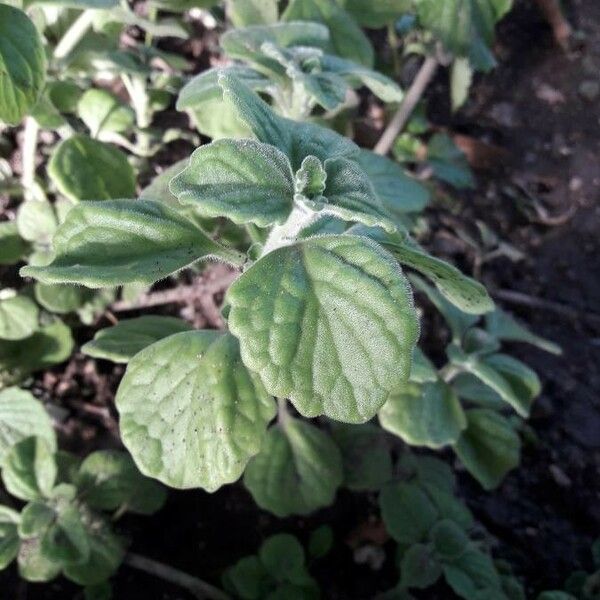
x,y
192,415
295,140
329,323
33,564
18,317
21,416
407,512
29,469
101,111
36,517
347,38
424,415
37,221
124,241
121,342
22,64
9,538
61,298
85,169
297,471
399,192
243,180
489,447
109,479
66,540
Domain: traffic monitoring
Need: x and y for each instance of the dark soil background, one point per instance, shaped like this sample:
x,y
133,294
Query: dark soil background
x,y
534,125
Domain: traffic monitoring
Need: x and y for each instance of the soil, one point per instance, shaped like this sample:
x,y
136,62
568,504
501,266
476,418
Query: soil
x,y
538,127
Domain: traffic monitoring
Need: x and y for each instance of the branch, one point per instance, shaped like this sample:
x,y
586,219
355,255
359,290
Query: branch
x,y
414,94
198,588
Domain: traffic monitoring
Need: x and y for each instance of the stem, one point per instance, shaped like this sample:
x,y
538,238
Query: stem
x,y
449,372
30,137
74,34
281,235
393,42
282,412
414,94
198,588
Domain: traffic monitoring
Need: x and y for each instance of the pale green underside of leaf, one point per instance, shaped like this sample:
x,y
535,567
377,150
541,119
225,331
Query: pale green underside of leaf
x,y
18,317
489,447
22,64
328,323
124,340
192,415
295,140
21,416
424,415
297,471
86,169
124,241
243,180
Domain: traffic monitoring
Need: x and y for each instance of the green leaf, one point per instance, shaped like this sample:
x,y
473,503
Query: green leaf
x,y
18,316
419,567
101,111
217,119
296,140
423,370
473,575
449,540
66,541
377,13
29,469
466,27
48,346
448,162
461,78
248,44
124,241
85,169
61,298
98,591
33,564
320,542
22,64
366,456
512,380
81,4
464,292
252,12
247,579
468,387
36,517
424,415
121,342
9,539
21,416
243,180
502,326
399,192
106,554
347,38
36,221
350,196
109,479
298,470
489,447
329,323
283,557
192,415
12,246
407,512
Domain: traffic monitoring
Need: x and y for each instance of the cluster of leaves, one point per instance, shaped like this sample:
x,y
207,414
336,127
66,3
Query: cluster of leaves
x,y
62,527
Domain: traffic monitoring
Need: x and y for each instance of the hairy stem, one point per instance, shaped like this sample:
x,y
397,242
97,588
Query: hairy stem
x,y
414,94
74,34
198,588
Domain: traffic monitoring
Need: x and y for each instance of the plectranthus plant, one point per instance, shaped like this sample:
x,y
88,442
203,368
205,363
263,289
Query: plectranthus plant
x,y
322,316
289,62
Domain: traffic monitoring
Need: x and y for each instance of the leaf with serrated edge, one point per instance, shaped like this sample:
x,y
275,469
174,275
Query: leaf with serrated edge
x,y
243,180
21,416
121,342
297,471
192,415
22,64
329,323
489,447
124,241
295,140
424,415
